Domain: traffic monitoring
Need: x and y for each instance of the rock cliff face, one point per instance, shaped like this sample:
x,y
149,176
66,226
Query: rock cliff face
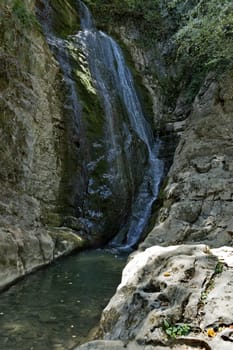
x,y
60,154
197,200
33,146
56,170
113,137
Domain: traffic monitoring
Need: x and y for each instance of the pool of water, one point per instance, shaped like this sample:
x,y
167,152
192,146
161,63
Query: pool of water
x,y
56,308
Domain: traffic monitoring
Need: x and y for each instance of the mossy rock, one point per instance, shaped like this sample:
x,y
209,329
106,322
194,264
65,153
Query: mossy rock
x,y
65,17
66,240
53,219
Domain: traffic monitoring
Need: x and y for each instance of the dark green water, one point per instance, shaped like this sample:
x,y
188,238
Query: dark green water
x,y
55,308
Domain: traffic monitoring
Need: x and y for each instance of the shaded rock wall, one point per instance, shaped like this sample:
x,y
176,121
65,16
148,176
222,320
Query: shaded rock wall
x,y
33,145
32,122
109,158
47,167
113,156
197,200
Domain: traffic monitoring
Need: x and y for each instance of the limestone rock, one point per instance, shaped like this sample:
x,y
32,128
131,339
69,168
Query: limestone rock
x,y
33,146
197,200
165,287
118,345
24,251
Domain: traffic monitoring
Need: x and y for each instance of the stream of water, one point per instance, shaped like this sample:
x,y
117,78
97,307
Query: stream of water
x,y
113,80
55,308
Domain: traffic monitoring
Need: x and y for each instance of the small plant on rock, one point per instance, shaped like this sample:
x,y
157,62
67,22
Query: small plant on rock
x,y
174,331
219,268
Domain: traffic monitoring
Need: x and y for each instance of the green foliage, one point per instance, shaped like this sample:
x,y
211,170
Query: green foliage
x,y
21,12
176,330
146,11
219,268
195,37
210,286
207,33
202,31
65,17
204,295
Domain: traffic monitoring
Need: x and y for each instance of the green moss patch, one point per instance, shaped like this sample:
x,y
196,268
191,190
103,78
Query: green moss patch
x,y
63,236
65,17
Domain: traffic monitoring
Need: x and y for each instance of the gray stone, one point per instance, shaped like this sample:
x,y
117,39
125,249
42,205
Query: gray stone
x,y
197,200
180,284
33,150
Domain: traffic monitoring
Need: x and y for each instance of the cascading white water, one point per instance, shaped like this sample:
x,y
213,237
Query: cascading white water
x,y
114,82
125,145
111,74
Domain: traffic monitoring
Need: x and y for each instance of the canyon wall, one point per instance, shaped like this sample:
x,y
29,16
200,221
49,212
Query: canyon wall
x,y
33,151
167,284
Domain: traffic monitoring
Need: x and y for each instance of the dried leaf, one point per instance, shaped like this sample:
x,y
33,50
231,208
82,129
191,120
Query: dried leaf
x,y
167,274
211,333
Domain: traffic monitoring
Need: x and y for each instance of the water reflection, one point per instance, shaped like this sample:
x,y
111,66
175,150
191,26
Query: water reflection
x,y
55,308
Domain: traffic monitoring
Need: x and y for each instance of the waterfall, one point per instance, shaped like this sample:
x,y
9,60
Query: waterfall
x,y
118,169
113,79
106,59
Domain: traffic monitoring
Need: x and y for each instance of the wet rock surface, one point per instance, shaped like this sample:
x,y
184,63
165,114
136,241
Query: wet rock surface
x,y
24,251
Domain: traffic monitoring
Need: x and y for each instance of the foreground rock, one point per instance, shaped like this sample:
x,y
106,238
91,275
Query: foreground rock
x,y
178,297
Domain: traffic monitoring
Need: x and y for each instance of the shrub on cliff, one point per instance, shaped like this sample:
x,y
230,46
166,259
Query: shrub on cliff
x,y
207,33
23,14
201,30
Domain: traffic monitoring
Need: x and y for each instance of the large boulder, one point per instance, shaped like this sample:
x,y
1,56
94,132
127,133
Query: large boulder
x,y
171,298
